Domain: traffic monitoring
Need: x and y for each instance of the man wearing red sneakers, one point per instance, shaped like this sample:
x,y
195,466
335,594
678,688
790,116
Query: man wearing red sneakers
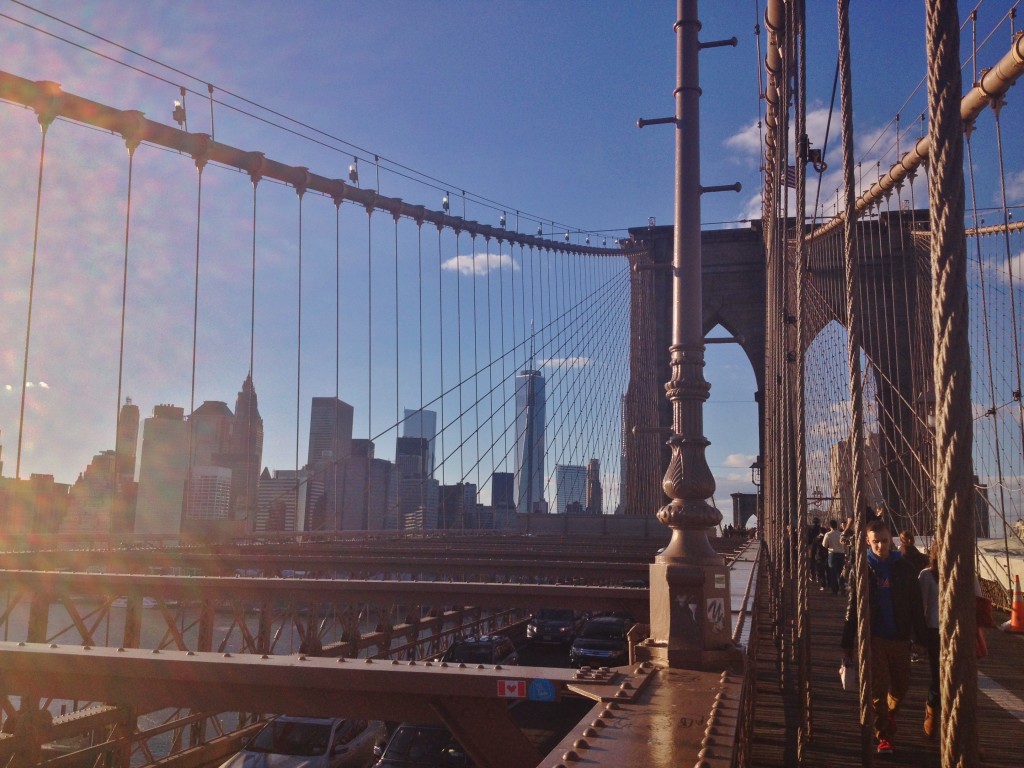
x,y
897,618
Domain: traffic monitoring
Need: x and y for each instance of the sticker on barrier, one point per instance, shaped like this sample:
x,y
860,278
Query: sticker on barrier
x,y
512,689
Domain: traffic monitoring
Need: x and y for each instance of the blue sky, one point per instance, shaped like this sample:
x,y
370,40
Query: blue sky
x,y
532,105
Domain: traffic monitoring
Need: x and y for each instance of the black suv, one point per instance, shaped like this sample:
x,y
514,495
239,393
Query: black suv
x,y
553,625
486,649
601,643
422,746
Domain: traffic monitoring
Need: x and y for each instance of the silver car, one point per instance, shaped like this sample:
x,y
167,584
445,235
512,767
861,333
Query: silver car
x,y
312,742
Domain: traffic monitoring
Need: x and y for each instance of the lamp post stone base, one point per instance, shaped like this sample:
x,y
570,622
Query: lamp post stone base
x,y
691,614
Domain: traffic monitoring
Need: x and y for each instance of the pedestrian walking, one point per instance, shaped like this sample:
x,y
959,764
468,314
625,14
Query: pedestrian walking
x,y
897,619
928,580
833,544
917,559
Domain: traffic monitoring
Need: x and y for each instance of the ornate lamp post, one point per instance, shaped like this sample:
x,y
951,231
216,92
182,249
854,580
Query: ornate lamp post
x,y
690,600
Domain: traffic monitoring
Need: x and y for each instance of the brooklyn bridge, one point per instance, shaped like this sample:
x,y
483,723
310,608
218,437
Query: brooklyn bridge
x,y
455,416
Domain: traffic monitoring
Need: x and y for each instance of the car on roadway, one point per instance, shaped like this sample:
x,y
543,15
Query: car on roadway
x,y
553,625
486,649
601,643
312,742
423,746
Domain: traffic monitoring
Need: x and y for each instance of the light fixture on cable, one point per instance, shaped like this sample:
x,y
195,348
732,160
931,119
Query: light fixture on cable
x,y
444,202
178,113
353,171
501,221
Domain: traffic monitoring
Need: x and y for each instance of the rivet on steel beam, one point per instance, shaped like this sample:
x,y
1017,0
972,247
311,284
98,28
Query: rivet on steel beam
x,y
265,656
368,661
444,664
720,695
462,665
497,666
621,695
302,657
156,650
480,666
581,744
428,664
54,645
599,723
590,732
394,662
570,757
228,656
708,741
119,650
86,647
705,753
625,685
22,645
702,764
190,653
412,663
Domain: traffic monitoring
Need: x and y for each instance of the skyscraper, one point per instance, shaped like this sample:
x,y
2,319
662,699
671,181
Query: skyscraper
x,y
529,441
163,468
422,423
570,487
246,452
503,491
330,431
127,440
595,493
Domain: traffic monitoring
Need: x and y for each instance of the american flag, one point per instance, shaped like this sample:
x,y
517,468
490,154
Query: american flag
x,y
790,176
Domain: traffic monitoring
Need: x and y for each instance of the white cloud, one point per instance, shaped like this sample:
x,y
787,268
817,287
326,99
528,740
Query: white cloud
x,y
1001,271
747,140
480,264
739,460
1015,188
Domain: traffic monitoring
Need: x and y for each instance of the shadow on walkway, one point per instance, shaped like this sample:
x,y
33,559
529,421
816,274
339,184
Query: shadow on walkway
x,y
835,732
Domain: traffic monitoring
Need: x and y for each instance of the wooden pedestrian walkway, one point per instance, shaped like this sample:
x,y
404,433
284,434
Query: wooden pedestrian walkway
x,y
835,733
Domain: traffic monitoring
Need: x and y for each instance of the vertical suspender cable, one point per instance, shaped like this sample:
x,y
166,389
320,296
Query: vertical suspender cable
x,y
856,393
369,356
997,109
490,367
476,366
251,482
132,144
803,619
398,412
299,512
993,409
458,344
45,120
953,429
440,341
332,508
426,468
200,161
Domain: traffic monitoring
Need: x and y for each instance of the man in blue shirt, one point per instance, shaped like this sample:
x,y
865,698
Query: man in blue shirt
x,y
897,619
